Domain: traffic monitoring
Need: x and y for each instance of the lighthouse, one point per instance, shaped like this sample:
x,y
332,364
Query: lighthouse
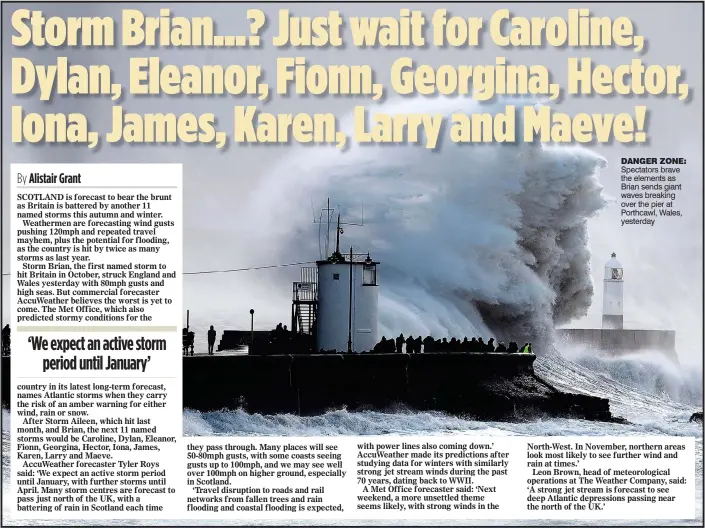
x,y
613,295
348,300
348,294
613,339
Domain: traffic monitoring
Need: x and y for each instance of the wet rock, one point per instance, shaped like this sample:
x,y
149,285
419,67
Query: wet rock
x,y
697,417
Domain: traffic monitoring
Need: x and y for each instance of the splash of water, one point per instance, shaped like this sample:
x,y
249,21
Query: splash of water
x,y
472,240
650,372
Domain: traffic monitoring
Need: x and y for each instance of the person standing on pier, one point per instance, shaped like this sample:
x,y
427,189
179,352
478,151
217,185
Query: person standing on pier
x,y
211,340
6,340
410,345
400,343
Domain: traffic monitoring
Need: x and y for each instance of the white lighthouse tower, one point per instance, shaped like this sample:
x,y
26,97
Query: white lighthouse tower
x,y
348,295
613,295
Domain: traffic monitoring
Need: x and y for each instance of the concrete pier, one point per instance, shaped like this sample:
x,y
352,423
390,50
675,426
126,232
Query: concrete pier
x,y
6,386
617,342
493,386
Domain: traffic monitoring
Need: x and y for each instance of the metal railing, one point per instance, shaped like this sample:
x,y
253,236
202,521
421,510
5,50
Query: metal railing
x,y
305,292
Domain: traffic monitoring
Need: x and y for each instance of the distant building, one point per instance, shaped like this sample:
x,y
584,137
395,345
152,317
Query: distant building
x,y
613,296
613,338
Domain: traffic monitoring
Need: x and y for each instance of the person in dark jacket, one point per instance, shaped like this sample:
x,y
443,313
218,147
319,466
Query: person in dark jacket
x,y
501,347
513,347
211,340
390,347
428,343
410,345
490,345
6,340
400,343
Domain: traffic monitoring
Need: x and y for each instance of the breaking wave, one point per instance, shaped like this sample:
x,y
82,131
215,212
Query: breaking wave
x,y
481,239
649,372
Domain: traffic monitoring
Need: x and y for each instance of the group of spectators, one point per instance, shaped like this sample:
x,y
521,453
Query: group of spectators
x,y
281,340
412,345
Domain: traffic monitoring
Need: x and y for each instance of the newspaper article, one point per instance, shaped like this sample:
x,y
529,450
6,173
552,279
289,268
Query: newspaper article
x,y
352,263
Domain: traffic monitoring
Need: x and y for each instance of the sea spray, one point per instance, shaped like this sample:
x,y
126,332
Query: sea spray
x,y
473,240
652,372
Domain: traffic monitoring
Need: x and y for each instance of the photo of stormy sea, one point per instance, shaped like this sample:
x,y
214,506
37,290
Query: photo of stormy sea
x,y
482,240
473,241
